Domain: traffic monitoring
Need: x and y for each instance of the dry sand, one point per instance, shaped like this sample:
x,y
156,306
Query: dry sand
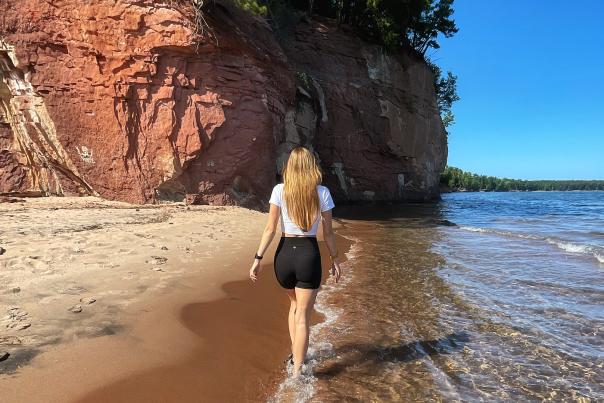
x,y
106,301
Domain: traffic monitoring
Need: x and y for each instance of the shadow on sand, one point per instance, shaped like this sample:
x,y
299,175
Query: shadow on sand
x,y
354,354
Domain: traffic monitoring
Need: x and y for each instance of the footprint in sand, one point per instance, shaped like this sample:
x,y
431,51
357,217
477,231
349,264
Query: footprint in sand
x,y
16,319
45,300
157,260
9,341
73,290
76,308
35,263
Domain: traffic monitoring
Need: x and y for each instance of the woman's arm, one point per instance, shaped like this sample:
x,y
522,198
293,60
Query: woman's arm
x,y
271,228
267,236
330,240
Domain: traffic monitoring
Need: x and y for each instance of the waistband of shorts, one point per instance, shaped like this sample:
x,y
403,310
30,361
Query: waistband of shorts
x,y
299,239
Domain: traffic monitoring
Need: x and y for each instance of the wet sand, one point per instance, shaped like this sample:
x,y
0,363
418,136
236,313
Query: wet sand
x,y
240,357
206,333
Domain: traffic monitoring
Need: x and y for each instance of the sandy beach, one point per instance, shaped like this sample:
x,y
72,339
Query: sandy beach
x,y
107,300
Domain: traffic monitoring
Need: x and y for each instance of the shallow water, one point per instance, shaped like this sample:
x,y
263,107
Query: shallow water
x,y
505,305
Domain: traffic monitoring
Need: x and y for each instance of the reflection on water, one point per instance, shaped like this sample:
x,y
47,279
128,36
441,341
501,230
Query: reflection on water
x,y
489,309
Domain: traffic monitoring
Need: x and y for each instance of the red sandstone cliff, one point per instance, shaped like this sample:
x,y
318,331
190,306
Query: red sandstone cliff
x,y
124,99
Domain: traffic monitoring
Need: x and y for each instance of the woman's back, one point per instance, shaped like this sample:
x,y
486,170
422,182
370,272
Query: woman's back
x,y
290,227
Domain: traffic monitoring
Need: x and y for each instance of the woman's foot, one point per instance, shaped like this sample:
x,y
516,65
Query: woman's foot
x,y
296,372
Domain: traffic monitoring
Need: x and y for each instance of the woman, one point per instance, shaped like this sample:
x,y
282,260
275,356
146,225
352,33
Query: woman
x,y
300,201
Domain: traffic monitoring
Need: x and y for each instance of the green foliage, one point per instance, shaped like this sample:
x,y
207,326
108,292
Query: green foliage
x,y
393,23
459,180
446,93
257,7
434,19
305,79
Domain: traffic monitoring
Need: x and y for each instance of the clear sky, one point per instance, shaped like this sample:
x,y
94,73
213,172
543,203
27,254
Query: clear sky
x,y
531,82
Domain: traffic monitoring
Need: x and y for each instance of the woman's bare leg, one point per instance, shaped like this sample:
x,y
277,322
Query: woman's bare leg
x,y
305,300
291,318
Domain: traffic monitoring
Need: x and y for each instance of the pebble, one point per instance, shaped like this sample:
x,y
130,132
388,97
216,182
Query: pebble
x,y
164,248
87,300
4,356
76,308
2,250
16,290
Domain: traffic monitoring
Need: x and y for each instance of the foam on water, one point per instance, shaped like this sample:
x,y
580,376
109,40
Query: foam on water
x,y
584,249
302,389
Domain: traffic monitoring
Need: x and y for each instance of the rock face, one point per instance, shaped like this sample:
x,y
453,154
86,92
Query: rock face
x,y
132,101
371,117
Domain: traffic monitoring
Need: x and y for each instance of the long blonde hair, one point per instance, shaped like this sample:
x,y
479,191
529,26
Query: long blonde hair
x,y
301,175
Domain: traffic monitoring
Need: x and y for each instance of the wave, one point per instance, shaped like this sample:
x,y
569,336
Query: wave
x,y
596,252
584,249
303,388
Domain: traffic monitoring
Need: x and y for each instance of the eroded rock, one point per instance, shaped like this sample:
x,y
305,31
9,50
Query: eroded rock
x,y
165,115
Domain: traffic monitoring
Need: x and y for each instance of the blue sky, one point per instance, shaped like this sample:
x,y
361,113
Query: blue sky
x,y
531,82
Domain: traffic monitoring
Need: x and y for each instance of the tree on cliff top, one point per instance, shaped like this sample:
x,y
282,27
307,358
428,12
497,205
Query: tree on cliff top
x,y
446,93
434,19
395,24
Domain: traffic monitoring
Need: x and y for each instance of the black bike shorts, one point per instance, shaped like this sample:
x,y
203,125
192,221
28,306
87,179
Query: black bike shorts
x,y
298,262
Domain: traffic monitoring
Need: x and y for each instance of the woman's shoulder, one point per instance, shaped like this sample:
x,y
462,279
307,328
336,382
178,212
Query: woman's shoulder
x,y
323,189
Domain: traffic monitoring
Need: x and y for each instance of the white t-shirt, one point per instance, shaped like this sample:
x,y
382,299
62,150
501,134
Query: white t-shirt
x,y
287,225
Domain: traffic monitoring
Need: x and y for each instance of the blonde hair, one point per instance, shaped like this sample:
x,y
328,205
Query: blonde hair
x,y
301,176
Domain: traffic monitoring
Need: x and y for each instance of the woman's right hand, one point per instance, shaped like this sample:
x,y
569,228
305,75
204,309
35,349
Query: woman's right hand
x,y
336,270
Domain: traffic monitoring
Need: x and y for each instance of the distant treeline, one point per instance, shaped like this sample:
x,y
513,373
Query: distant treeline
x,y
458,180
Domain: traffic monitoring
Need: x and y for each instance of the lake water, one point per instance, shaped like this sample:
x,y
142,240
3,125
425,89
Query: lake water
x,y
480,297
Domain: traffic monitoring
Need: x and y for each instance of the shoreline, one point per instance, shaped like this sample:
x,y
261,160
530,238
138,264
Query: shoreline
x,y
165,331
517,191
243,343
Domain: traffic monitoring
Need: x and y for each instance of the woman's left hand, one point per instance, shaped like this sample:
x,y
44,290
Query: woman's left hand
x,y
255,270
